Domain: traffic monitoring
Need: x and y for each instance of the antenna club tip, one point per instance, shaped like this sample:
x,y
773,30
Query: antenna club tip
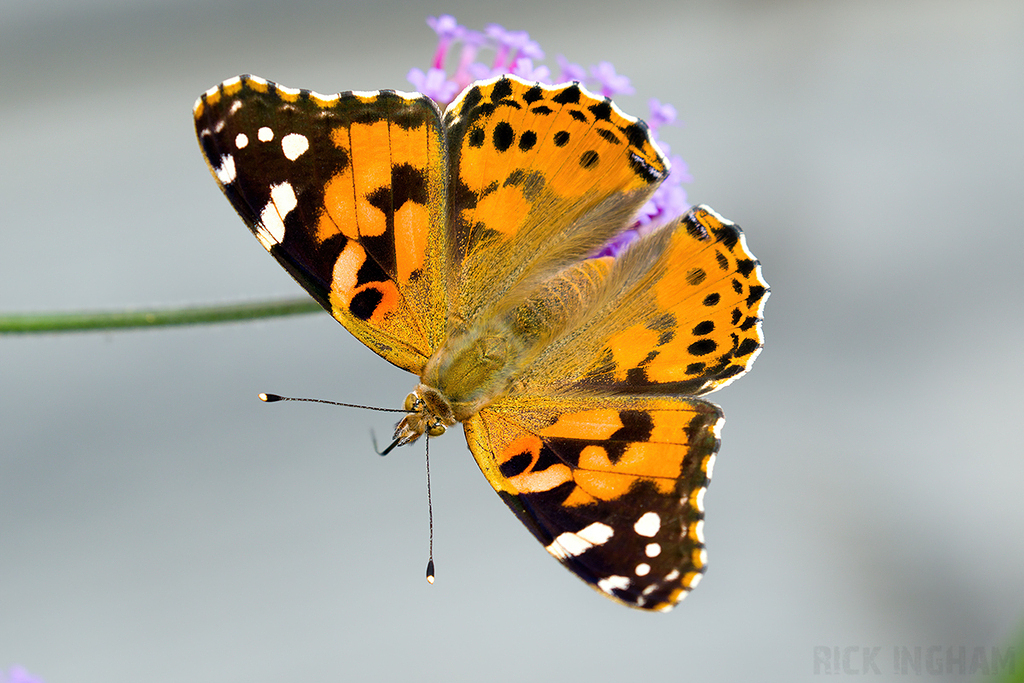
x,y
430,572
269,398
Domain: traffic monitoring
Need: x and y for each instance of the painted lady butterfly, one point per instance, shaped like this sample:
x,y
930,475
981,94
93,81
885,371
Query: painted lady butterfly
x,y
461,247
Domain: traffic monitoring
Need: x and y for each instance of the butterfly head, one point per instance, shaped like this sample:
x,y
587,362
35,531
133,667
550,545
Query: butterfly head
x,y
429,413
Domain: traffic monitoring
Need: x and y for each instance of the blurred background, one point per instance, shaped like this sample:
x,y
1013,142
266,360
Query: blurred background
x,y
158,523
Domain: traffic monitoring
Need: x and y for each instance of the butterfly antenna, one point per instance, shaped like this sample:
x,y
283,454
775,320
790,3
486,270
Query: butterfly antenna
x,y
273,398
430,515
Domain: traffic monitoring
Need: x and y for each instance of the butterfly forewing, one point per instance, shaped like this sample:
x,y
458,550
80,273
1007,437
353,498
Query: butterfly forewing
x,y
542,177
348,192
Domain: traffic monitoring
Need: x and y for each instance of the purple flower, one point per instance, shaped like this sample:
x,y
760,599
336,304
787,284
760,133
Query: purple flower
x,y
618,244
434,84
570,71
611,83
447,30
18,674
524,69
516,53
661,114
446,26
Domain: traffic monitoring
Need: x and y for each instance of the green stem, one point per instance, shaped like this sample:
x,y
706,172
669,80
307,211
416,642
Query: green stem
x,y
27,323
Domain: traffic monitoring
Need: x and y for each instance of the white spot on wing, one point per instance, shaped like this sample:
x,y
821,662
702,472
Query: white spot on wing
x,y
288,91
709,465
694,580
293,145
672,575
596,534
643,569
569,544
648,524
271,228
611,583
698,530
325,99
265,134
699,500
241,140
566,545
283,197
225,172
653,549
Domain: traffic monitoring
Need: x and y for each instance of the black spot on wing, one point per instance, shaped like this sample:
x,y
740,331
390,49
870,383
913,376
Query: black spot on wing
x,y
568,95
588,159
534,94
364,303
702,347
636,133
602,111
503,136
472,98
746,347
515,465
502,89
408,184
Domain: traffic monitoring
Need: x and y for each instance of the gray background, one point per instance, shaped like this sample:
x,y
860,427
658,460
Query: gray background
x,y
158,523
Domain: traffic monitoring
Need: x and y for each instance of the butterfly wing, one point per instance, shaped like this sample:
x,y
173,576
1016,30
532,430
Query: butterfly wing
x,y
680,315
601,448
542,177
349,193
614,492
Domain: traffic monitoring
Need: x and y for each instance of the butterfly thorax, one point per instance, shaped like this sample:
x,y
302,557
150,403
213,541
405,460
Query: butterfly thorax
x,y
478,364
469,371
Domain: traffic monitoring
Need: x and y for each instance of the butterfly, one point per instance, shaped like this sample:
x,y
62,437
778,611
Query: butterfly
x,y
464,246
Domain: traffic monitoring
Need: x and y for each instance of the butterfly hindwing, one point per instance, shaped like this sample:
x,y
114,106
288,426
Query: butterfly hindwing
x,y
614,492
349,193
681,316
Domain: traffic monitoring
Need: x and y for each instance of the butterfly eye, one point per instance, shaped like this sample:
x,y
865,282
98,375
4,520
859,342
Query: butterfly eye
x,y
436,428
413,403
